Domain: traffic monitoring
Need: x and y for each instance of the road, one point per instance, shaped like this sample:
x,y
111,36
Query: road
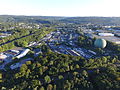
x,y
5,63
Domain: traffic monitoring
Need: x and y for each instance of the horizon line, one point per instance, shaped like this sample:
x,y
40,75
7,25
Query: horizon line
x,y
53,15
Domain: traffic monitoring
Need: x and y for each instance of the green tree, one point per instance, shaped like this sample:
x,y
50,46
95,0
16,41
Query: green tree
x,y
41,88
84,73
35,83
0,77
21,43
49,87
47,79
44,48
60,77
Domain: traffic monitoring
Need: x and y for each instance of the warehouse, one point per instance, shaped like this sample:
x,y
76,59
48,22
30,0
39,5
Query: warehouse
x,y
23,53
105,34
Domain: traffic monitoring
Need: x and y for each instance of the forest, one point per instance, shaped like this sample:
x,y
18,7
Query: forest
x,y
53,71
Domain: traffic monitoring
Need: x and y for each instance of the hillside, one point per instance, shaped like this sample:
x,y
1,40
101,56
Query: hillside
x,y
93,20
52,19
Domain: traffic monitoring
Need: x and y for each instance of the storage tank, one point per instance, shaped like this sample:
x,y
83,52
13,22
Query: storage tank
x,y
100,43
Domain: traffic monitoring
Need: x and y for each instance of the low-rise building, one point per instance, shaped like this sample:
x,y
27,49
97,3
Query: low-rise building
x,y
2,57
15,51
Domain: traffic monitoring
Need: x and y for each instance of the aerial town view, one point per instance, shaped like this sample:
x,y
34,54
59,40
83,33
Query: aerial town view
x,y
59,45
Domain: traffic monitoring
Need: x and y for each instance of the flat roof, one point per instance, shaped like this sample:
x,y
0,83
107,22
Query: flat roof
x,y
113,39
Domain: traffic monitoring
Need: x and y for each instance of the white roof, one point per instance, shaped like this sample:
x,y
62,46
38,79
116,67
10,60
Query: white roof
x,y
16,51
23,53
105,34
2,56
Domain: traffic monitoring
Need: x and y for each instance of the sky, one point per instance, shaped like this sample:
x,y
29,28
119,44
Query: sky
x,y
60,7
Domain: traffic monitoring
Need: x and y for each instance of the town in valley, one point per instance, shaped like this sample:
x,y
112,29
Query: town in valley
x,y
25,42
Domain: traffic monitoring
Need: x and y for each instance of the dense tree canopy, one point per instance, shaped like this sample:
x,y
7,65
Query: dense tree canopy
x,y
54,71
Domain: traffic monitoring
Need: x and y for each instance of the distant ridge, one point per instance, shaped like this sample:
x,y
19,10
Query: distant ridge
x,y
49,19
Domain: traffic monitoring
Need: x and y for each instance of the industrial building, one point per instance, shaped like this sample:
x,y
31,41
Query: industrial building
x,y
23,53
105,34
100,43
